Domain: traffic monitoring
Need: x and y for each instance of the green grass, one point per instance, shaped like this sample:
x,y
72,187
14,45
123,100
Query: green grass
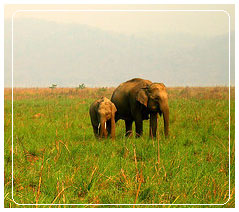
x,y
57,160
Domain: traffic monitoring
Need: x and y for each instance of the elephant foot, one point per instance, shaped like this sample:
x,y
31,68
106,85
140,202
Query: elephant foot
x,y
129,134
138,135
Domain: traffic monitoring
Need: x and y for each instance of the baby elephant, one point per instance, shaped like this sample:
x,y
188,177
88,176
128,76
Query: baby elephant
x,y
101,111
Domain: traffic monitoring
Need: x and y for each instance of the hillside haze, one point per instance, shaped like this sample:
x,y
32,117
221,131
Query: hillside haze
x,y
71,54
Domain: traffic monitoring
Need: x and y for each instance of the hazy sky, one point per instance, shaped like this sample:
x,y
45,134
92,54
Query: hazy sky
x,y
203,23
166,44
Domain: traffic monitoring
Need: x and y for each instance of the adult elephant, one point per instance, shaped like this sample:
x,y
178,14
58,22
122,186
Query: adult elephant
x,y
136,100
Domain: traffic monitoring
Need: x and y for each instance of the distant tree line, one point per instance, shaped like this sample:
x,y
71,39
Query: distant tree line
x,y
80,86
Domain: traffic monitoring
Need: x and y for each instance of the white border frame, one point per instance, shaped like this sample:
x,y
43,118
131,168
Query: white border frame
x,y
98,10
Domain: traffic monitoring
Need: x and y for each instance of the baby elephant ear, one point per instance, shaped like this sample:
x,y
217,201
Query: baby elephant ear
x,y
142,97
113,108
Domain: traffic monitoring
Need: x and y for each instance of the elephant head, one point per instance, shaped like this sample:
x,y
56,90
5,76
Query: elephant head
x,y
154,96
106,111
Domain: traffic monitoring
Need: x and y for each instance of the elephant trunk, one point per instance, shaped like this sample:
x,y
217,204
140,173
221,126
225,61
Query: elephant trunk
x,y
165,112
103,131
153,124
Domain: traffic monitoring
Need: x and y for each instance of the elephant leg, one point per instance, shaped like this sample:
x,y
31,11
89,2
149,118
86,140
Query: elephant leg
x,y
153,125
128,126
108,127
96,131
139,127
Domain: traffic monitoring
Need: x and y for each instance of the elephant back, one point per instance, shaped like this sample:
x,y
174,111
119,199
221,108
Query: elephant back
x,y
125,94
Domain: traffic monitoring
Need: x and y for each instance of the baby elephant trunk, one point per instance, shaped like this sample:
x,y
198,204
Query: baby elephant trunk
x,y
102,126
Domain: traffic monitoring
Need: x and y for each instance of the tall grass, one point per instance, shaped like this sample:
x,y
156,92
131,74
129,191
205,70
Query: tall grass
x,y
57,160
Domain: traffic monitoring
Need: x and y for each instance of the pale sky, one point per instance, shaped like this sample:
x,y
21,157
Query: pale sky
x,y
192,44
202,23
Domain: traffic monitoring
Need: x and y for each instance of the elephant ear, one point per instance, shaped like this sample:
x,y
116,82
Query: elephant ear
x,y
113,108
142,96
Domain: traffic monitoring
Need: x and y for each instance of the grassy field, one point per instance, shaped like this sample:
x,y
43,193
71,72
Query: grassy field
x,y
57,160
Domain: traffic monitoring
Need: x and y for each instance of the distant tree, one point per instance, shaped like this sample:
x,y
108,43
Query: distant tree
x,y
82,86
53,86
